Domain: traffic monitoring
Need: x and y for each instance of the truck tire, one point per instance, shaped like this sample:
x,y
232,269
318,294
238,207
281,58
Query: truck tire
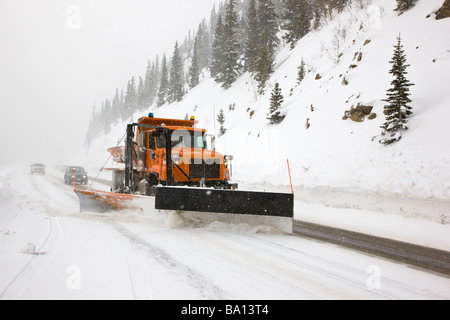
x,y
151,186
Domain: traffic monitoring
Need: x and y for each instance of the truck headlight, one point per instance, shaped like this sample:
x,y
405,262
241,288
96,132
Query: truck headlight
x,y
176,158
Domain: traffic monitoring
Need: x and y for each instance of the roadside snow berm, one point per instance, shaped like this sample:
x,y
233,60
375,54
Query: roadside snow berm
x,y
170,159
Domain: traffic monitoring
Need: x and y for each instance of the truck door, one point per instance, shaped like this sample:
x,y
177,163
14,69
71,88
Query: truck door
x,y
152,160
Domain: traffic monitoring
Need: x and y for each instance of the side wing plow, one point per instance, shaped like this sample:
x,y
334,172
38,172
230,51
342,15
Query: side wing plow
x,y
101,201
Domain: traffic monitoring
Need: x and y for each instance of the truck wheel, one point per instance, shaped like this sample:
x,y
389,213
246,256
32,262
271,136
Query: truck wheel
x,y
151,186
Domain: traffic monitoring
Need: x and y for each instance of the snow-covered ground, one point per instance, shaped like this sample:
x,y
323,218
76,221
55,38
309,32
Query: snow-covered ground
x,y
341,175
341,178
153,255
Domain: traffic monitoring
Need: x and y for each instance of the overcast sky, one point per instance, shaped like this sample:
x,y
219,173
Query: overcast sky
x,y
58,58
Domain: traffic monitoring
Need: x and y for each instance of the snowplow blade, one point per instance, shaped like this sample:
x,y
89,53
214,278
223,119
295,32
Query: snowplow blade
x,y
264,208
101,201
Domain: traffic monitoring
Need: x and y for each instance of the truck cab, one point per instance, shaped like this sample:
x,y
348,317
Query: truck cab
x,y
193,161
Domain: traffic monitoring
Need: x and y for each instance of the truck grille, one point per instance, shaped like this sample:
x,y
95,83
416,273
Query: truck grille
x,y
208,171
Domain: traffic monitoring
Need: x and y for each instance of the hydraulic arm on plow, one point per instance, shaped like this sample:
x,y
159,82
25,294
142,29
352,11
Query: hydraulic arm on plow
x,y
170,160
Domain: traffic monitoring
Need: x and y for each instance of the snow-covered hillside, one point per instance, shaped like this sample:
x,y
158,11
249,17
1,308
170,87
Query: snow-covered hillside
x,y
334,161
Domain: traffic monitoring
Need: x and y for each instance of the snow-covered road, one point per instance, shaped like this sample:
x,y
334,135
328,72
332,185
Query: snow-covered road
x,y
151,256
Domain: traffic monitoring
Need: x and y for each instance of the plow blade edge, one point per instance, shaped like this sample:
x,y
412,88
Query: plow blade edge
x,y
276,209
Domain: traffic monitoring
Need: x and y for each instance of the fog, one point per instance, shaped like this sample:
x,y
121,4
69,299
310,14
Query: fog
x,y
58,58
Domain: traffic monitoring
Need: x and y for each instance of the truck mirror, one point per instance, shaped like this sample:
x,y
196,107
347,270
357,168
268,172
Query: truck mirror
x,y
213,143
141,138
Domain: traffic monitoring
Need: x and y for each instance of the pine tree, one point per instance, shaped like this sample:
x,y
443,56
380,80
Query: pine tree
x,y
213,21
268,42
106,116
264,68
216,67
317,16
221,121
140,95
242,39
122,103
194,71
157,76
301,72
340,5
397,110
276,100
298,16
150,84
404,5
164,83
115,107
176,82
130,105
203,39
252,43
231,47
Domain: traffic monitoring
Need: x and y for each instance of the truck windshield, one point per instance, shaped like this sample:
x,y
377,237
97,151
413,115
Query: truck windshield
x,y
186,139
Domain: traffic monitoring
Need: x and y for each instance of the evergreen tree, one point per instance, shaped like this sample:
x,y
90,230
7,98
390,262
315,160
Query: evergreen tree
x,y
157,76
115,107
231,47
217,51
176,82
150,84
252,43
122,103
404,5
194,71
317,16
264,68
268,42
187,45
242,39
140,95
125,105
213,21
106,116
340,5
276,100
301,72
130,105
164,83
397,110
203,39
221,121
297,20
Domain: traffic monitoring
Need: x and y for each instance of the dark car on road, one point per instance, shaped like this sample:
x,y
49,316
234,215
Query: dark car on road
x,y
37,168
81,176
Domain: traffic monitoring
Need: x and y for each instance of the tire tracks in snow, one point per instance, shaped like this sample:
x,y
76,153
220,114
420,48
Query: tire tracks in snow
x,y
47,250
141,269
349,279
37,264
258,266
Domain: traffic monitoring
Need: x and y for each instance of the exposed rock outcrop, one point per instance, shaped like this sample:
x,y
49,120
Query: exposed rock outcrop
x,y
444,11
359,113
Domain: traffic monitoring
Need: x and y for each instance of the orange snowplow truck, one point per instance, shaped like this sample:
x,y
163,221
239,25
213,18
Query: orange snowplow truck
x,y
186,160
170,159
